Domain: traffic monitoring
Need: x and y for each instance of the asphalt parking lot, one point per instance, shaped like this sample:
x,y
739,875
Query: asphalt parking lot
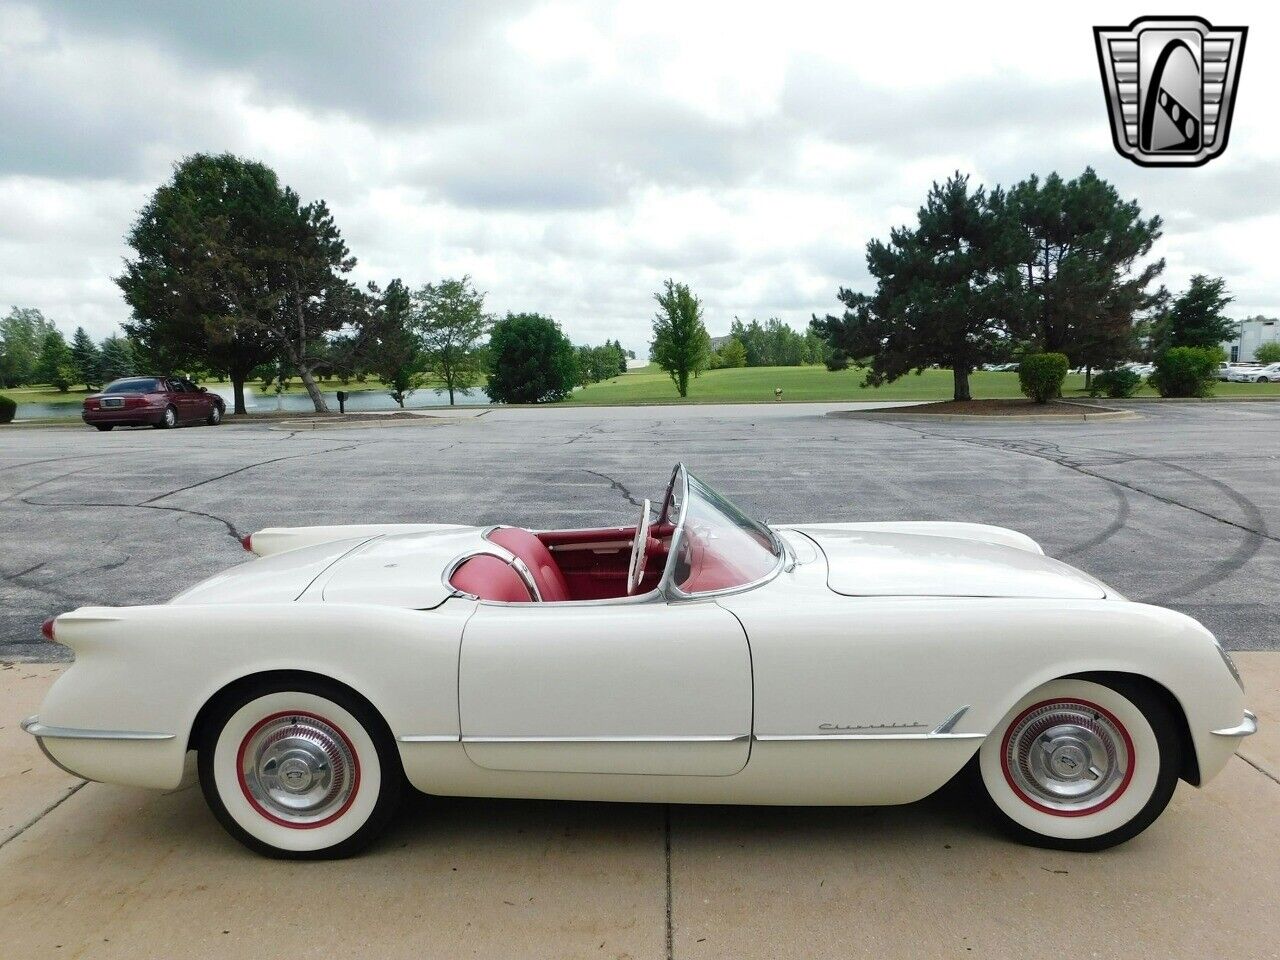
x,y
1180,507
1175,507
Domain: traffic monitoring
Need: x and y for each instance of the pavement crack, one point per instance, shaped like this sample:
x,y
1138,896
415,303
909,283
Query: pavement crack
x,y
666,847
145,505
248,466
1261,769
617,485
45,812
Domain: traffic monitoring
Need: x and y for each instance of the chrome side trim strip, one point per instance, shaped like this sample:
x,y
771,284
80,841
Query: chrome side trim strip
x,y
789,737
1245,728
618,739
949,724
767,737
33,726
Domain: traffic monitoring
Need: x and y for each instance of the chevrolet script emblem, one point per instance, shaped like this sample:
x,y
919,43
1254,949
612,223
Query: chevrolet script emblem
x,y
1170,84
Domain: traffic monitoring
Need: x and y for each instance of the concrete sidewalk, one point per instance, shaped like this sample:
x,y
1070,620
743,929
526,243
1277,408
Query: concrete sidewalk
x,y
99,871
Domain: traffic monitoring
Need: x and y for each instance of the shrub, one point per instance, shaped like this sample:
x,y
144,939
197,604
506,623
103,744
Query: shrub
x,y
530,360
1117,384
1268,352
836,360
1041,374
1186,371
7,409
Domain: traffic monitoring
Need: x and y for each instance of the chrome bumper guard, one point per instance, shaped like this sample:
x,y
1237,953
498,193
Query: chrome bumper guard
x,y
1245,728
33,726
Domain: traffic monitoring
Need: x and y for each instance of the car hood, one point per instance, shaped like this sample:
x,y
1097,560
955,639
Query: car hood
x,y
882,564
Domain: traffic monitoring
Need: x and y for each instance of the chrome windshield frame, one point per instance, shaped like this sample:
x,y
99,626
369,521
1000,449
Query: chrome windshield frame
x,y
667,585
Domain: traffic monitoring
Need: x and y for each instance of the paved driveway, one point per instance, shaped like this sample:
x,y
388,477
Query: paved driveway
x,y
1181,507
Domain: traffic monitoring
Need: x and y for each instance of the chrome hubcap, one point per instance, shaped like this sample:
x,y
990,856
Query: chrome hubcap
x,y
298,768
1067,756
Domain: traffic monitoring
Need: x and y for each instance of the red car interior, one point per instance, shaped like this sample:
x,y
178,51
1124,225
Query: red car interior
x,y
565,565
490,579
546,574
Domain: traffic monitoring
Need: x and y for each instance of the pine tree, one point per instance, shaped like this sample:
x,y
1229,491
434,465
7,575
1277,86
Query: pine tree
x,y
85,359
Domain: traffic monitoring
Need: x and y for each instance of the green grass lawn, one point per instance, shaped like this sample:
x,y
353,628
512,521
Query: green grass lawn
x,y
746,384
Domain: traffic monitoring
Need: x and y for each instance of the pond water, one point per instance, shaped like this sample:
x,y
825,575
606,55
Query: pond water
x,y
289,402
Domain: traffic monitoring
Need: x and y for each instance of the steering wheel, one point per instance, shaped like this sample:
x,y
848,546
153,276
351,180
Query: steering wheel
x,y
639,551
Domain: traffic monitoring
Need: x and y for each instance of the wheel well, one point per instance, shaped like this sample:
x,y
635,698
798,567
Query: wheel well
x,y
234,688
1190,771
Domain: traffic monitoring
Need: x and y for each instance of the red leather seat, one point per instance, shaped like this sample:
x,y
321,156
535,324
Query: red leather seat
x,y
536,556
489,578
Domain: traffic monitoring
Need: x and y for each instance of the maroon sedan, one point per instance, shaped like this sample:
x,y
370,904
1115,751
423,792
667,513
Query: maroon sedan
x,y
160,401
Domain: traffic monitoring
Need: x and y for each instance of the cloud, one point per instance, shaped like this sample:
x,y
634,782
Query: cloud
x,y
570,155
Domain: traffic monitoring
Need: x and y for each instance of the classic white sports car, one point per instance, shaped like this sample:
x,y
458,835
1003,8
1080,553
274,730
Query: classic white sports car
x,y
702,657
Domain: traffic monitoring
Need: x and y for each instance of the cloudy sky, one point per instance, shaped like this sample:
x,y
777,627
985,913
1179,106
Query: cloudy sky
x,y
571,155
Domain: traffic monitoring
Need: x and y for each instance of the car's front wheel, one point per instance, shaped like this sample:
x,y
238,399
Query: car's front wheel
x,y
215,415
1082,764
299,769
104,427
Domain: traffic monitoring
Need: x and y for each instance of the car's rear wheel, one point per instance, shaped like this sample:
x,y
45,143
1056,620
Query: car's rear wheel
x,y
104,427
167,419
1082,764
299,769
1264,379
215,415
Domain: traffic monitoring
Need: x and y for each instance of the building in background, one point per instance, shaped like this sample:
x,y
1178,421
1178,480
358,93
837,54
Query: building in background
x,y
1251,333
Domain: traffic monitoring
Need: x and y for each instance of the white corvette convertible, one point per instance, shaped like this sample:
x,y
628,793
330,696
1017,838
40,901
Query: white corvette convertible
x,y
697,657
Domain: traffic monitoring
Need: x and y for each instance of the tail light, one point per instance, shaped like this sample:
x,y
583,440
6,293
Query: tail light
x,y
247,542
47,629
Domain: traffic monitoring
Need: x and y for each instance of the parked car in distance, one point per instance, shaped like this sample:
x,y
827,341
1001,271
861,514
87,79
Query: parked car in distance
x,y
159,401
1255,373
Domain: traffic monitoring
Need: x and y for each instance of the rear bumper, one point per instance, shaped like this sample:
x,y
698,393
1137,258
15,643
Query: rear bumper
x,y
130,757
137,416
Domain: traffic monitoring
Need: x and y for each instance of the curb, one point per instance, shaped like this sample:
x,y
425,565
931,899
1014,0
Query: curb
x,y
1088,412
290,426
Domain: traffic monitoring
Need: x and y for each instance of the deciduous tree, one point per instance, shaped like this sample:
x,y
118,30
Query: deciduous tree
x,y
204,277
392,347
449,318
22,333
681,345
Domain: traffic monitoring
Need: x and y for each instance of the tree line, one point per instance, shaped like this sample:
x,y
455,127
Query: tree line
x,y
34,350
234,274
1047,266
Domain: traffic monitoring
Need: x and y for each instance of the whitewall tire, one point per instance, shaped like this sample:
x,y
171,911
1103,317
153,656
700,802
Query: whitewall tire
x,y
299,769
1082,764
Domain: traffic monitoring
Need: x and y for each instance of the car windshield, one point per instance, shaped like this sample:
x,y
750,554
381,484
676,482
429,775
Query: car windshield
x,y
717,546
135,385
